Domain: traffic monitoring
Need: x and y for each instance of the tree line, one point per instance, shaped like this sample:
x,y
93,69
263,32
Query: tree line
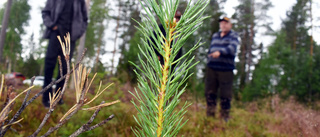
x,y
287,67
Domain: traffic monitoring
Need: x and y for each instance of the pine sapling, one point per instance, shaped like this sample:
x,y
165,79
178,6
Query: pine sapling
x,y
160,84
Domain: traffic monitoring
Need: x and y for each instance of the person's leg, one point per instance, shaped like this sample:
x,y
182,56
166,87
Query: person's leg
x,y
50,63
225,83
211,90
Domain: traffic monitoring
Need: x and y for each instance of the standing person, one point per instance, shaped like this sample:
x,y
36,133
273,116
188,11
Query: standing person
x,y
220,66
61,17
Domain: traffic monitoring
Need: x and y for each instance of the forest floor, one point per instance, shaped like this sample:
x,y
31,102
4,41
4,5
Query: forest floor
x,y
267,117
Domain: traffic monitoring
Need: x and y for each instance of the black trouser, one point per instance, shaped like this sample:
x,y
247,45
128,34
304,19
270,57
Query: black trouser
x,y
53,51
218,82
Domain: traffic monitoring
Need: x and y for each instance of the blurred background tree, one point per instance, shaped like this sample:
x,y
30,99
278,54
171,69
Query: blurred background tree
x,y
288,66
285,68
18,18
98,20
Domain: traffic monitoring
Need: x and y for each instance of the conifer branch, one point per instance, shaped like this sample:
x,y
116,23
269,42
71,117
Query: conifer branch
x,y
159,84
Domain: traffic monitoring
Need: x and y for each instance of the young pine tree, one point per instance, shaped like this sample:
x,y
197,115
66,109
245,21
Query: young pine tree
x,y
159,85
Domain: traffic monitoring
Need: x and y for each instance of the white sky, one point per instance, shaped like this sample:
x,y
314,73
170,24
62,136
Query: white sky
x,y
277,13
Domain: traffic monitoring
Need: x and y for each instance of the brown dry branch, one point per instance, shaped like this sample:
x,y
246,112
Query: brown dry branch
x,y
23,106
74,110
53,102
60,65
1,86
8,105
101,123
85,127
8,91
52,129
11,97
28,93
57,96
82,86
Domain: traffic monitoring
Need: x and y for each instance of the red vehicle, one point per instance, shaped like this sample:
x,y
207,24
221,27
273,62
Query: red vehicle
x,y
14,78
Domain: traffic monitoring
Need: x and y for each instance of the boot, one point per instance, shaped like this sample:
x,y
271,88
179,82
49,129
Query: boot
x,y
224,114
211,111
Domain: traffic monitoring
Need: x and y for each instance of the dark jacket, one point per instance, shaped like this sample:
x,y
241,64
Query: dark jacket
x,y
52,10
227,45
157,53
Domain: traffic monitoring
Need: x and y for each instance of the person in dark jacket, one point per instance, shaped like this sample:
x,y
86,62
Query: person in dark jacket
x,y
220,66
61,17
160,57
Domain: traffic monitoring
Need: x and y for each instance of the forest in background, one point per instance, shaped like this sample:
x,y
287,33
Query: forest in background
x,y
287,67
276,86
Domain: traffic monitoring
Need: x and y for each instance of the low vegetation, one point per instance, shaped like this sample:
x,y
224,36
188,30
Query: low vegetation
x,y
271,117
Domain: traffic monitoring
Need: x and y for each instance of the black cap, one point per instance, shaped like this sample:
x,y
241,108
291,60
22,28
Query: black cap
x,y
226,19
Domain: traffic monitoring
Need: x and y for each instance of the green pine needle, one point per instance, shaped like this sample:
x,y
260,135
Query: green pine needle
x,y
160,85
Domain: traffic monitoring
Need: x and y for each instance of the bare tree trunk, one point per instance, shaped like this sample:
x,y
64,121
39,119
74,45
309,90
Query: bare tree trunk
x,y
250,43
81,45
243,59
294,44
6,63
4,26
10,59
14,68
311,29
261,51
97,59
99,48
311,55
41,70
115,41
9,65
243,66
83,37
101,31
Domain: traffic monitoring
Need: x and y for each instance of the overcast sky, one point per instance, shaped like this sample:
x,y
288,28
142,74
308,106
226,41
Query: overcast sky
x,y
278,12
